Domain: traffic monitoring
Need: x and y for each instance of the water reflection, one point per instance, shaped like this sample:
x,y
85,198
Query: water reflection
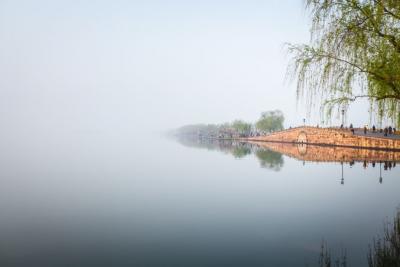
x,y
385,250
270,154
348,155
307,204
343,155
229,146
268,158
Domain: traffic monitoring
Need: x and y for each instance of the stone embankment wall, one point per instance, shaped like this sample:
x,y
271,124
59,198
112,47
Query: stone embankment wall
x,y
329,136
331,153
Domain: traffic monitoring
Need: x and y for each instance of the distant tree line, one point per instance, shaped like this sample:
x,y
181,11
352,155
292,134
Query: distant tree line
x,y
269,121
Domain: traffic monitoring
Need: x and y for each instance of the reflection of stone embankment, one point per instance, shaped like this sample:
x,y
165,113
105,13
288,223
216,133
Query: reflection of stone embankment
x,y
317,153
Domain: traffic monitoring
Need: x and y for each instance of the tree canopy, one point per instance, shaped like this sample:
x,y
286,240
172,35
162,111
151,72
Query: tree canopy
x,y
354,52
270,121
241,127
238,127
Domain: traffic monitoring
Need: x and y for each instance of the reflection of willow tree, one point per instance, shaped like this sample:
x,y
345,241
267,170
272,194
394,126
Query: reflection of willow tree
x,y
241,151
237,149
208,144
270,159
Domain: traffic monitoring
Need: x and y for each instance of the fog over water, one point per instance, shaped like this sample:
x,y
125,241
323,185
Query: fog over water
x,y
116,200
86,177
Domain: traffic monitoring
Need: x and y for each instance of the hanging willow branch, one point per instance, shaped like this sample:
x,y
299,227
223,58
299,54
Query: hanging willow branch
x,y
354,53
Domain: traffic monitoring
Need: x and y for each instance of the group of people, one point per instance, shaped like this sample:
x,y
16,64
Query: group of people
x,y
386,131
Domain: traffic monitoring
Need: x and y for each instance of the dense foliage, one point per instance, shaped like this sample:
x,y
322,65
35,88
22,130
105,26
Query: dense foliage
x,y
354,53
270,121
236,128
241,127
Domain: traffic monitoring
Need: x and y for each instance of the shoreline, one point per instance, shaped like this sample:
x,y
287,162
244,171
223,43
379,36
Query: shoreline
x,y
326,137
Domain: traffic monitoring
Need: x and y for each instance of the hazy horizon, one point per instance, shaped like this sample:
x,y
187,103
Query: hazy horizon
x,y
147,66
84,183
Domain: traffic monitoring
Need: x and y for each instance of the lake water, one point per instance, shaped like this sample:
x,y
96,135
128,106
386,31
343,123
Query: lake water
x,y
112,200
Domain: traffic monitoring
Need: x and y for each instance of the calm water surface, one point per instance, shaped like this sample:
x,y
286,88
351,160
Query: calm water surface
x,y
96,199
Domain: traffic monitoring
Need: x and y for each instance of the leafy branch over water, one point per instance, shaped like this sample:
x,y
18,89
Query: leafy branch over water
x,y
354,53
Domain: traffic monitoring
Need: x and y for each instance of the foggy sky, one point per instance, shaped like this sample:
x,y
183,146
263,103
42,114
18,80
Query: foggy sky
x,y
146,65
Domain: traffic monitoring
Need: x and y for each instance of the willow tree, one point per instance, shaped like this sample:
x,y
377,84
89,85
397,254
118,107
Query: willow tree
x,y
270,121
241,127
354,52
